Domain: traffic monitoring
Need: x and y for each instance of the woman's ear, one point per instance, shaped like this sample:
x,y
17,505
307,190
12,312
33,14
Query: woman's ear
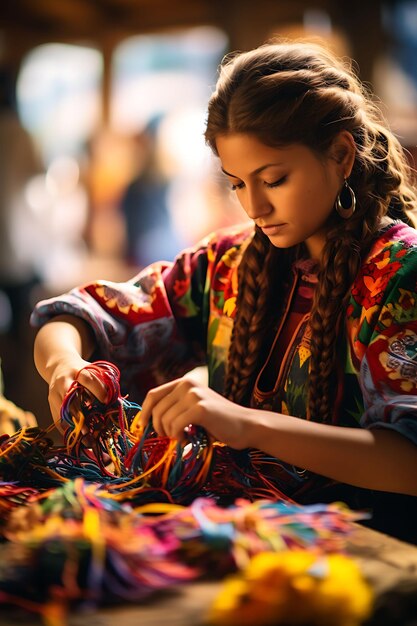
x,y
343,152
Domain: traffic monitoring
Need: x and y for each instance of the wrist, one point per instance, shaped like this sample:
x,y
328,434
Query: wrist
x,y
70,360
257,428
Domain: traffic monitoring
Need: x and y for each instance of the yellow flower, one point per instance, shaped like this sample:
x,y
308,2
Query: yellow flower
x,y
229,306
294,587
229,258
223,332
304,353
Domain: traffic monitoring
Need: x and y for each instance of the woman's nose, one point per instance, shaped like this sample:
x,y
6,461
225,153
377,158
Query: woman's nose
x,y
257,205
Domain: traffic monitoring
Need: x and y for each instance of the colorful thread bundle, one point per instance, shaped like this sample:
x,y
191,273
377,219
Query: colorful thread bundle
x,y
104,443
117,513
80,546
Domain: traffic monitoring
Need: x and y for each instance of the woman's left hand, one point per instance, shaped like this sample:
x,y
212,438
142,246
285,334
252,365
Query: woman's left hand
x,y
179,403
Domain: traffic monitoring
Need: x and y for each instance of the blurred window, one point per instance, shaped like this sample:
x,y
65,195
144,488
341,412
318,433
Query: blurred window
x,y
395,74
400,22
55,83
161,84
156,74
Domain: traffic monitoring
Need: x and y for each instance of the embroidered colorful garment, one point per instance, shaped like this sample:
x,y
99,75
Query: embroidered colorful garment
x,y
172,317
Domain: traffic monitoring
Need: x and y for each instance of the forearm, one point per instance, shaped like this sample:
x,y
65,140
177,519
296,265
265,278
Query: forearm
x,y
62,337
376,459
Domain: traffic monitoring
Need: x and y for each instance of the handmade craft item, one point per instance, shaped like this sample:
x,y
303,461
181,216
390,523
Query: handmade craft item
x,y
117,513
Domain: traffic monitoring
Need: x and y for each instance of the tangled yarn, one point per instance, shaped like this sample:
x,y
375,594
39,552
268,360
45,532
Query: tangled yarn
x,y
117,512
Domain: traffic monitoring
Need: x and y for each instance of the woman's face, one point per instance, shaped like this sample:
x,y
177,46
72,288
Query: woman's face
x,y
289,192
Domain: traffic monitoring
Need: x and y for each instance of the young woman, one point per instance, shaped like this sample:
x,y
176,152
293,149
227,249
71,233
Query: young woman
x,y
306,318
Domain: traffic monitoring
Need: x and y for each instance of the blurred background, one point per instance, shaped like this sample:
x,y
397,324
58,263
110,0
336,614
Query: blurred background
x,y
103,167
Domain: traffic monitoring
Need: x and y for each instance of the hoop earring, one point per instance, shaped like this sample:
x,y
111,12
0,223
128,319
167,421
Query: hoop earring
x,y
346,201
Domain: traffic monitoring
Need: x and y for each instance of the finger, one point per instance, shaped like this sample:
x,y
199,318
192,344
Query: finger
x,y
55,407
166,410
184,419
147,408
95,386
166,418
56,403
152,398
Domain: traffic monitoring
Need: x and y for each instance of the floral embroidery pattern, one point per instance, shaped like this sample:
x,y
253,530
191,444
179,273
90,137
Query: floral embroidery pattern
x,y
369,290
194,301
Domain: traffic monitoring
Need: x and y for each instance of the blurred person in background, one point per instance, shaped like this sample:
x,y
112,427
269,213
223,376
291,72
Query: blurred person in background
x,y
150,235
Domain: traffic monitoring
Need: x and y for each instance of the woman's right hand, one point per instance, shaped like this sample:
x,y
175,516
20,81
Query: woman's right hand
x,y
60,351
66,371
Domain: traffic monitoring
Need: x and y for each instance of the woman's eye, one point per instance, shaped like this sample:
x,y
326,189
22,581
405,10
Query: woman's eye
x,y
276,183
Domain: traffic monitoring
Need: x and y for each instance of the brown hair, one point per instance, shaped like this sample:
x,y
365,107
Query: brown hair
x,y
300,93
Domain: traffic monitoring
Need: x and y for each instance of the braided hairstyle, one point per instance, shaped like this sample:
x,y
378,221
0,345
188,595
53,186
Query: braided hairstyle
x,y
289,93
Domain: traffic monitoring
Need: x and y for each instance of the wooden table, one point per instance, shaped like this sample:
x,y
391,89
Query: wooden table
x,y
386,562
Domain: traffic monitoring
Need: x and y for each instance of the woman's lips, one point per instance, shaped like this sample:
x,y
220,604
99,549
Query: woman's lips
x,y
275,229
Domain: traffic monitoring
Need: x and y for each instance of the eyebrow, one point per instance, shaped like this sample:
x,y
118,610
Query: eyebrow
x,y
257,171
